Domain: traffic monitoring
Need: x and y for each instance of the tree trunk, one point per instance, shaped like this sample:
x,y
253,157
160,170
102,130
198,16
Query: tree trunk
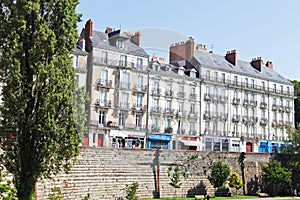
x,y
25,188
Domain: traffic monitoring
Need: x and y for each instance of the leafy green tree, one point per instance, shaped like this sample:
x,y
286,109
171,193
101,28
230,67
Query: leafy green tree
x,y
276,177
38,116
235,181
131,191
294,137
7,192
174,174
297,101
219,174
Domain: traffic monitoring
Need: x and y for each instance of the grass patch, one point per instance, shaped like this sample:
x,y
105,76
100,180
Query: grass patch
x,y
212,198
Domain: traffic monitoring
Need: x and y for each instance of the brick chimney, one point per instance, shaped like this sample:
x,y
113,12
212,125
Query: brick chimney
x,y
257,63
136,38
231,56
269,64
89,28
182,51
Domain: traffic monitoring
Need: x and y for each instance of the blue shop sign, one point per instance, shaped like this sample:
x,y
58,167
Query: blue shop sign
x,y
159,137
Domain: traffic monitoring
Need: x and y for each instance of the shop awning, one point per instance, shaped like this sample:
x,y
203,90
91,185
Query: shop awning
x,y
124,134
190,143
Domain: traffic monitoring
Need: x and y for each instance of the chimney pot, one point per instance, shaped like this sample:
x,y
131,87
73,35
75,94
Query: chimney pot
x,y
257,63
231,56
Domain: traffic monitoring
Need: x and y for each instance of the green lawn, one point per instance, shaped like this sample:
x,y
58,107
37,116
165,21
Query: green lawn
x,y
212,198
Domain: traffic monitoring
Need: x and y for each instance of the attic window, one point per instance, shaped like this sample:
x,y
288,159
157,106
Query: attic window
x,y
119,44
181,72
193,74
155,67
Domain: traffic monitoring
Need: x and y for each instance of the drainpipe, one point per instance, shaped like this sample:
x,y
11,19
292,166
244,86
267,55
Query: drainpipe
x,y
147,111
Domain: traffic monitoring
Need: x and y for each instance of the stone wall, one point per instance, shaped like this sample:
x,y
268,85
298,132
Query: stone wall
x,y
104,173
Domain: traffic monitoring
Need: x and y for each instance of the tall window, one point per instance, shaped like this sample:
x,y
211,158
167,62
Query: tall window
x,y
140,82
263,85
246,83
216,76
192,127
223,92
288,90
274,87
104,76
246,96
263,98
235,80
139,63
75,61
207,90
103,57
121,119
125,100
223,77
155,122
155,102
138,120
207,107
156,87
168,105
139,100
102,117
192,108
123,61
287,103
263,114
252,97
281,89
192,74
274,101
155,67
215,92
207,75
252,83
180,107
181,71
181,89
119,44
103,96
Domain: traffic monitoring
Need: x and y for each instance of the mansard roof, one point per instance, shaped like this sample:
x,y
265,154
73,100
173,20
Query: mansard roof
x,y
218,62
101,40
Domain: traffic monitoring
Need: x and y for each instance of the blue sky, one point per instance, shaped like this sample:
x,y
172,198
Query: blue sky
x,y
255,28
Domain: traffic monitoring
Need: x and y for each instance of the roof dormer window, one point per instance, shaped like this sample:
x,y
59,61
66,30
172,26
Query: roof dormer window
x,y
120,44
181,71
155,67
193,73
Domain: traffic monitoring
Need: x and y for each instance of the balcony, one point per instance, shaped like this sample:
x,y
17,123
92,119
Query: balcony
x,y
138,108
223,116
139,89
124,106
169,111
155,110
223,99
193,114
246,102
274,107
263,105
263,121
168,130
137,127
181,113
125,85
104,84
169,93
236,118
103,103
281,108
288,109
207,97
193,96
253,103
155,129
156,92
236,101
181,132
207,115
181,95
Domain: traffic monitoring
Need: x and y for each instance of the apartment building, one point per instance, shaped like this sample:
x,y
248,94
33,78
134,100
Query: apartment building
x,y
116,83
174,103
244,105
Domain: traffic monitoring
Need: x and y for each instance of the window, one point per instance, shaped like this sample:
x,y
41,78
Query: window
x,y
216,76
125,80
155,122
252,97
138,120
181,71
263,114
104,76
223,92
287,103
124,102
139,82
102,117
139,100
215,127
235,80
281,102
274,87
139,63
288,90
121,119
252,83
246,83
223,77
103,57
192,108
75,61
155,67
181,89
274,101
193,90
168,122
119,44
263,98
207,90
207,107
207,75
155,102
274,116
192,128
156,87
263,85
103,97
168,105
193,74
215,92
246,96
123,61
281,89
180,107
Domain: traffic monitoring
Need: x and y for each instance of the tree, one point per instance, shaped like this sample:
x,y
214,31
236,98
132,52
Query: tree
x,y
219,174
235,181
297,101
38,116
294,137
131,191
174,174
275,176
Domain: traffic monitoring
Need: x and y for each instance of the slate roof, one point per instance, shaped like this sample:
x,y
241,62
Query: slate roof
x,y
219,62
100,40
